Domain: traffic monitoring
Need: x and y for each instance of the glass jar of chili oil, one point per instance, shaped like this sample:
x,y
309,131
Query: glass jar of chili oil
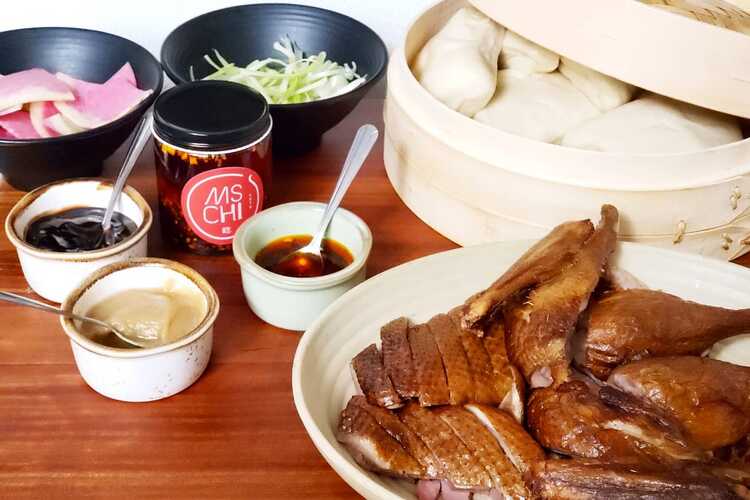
x,y
212,141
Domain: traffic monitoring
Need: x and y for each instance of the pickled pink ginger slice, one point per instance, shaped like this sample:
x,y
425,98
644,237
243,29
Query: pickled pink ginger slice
x,y
126,74
18,125
61,126
38,112
4,134
97,104
32,85
10,110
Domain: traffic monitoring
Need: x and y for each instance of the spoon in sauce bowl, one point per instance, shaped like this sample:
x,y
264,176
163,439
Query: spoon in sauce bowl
x,y
25,301
308,260
142,135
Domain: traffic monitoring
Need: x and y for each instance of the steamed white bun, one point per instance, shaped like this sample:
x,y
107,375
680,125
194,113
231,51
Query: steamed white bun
x,y
458,65
526,56
604,91
541,106
654,124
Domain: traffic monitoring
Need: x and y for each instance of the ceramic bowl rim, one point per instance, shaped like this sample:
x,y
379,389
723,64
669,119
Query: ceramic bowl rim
x,y
212,304
248,264
117,248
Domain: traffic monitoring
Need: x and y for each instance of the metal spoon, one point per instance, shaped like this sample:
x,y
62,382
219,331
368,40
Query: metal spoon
x,y
142,134
25,301
310,256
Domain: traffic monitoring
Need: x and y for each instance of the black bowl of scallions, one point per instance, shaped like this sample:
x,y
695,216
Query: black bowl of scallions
x,y
312,65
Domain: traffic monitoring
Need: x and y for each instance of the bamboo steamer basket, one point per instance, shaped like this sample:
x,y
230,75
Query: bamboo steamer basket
x,y
475,184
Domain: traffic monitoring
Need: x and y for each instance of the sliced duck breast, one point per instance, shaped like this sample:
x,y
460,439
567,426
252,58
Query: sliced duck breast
x,y
477,438
373,380
518,445
403,434
428,367
479,364
397,357
460,465
457,371
372,447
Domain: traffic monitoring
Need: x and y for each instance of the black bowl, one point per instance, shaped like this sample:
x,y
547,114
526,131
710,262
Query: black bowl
x,y
245,33
88,55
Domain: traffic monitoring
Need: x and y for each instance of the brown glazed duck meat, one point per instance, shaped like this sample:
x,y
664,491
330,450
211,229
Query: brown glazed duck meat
x,y
571,419
540,326
445,401
634,324
708,399
591,480
540,263
439,363
476,449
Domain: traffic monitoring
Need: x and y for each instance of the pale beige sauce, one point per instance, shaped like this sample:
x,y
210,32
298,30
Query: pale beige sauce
x,y
161,316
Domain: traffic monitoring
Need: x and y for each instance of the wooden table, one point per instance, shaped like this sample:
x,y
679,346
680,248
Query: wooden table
x,y
235,433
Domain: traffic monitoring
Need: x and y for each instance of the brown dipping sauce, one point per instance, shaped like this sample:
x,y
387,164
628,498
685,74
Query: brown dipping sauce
x,y
272,257
76,230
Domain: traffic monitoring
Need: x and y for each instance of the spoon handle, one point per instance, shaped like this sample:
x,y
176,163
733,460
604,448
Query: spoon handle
x,y
142,134
25,301
363,142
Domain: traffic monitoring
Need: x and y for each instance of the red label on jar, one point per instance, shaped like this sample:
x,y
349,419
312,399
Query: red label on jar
x,y
215,203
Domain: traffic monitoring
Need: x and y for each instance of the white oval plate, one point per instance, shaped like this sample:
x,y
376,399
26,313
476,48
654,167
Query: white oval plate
x,y
321,378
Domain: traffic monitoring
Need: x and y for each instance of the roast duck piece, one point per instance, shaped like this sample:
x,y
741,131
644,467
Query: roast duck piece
x,y
708,400
640,415
438,363
629,325
591,480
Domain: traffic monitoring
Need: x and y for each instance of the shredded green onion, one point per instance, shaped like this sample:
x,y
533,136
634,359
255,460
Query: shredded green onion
x,y
293,79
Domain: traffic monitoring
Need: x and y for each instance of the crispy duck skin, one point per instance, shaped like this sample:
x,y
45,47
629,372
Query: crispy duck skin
x,y
540,263
508,379
457,371
428,367
397,359
518,445
373,379
571,419
629,325
401,433
709,399
506,478
590,480
372,447
480,365
539,328
458,463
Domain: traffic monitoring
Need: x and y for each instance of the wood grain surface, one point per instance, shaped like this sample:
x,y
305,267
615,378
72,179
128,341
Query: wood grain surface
x,y
235,432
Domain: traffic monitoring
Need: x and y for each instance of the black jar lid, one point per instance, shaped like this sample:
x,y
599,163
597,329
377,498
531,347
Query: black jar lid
x,y
211,115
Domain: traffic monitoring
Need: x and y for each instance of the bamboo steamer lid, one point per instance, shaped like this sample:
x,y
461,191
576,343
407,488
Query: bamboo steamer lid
x,y
697,51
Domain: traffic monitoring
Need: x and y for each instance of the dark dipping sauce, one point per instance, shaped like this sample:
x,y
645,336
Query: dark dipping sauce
x,y
76,230
273,257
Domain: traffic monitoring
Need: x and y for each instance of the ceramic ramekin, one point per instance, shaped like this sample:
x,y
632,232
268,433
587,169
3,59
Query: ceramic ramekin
x,y
54,274
294,303
140,374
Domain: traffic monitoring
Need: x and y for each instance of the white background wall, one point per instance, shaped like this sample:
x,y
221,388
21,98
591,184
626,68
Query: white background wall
x,y
148,22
